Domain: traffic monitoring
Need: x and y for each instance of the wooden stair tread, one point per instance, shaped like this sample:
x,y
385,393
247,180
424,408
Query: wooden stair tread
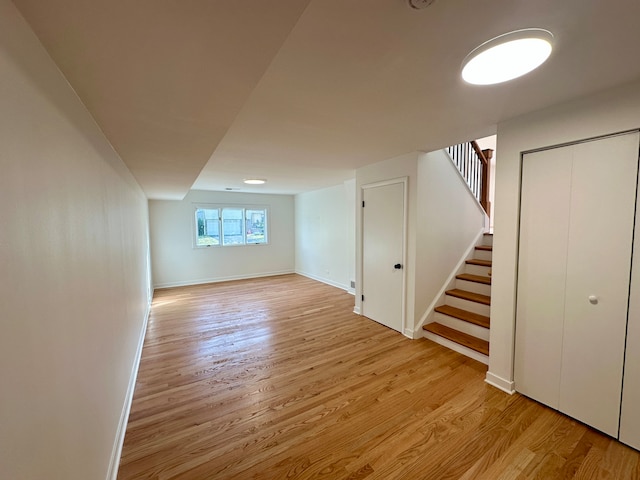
x,y
477,344
471,296
488,248
464,315
476,261
474,278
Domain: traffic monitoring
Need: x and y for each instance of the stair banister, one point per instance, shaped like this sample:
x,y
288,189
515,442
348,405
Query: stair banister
x,y
473,164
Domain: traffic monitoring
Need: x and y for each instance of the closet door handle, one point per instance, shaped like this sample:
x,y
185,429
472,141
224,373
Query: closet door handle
x,y
593,300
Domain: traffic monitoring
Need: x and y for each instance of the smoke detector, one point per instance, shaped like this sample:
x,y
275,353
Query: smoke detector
x,y
420,4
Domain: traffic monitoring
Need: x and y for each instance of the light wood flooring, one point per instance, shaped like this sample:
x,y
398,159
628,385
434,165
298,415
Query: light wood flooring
x,y
276,378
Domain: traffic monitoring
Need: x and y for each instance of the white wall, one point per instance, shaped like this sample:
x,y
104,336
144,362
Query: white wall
x,y
175,261
402,166
74,286
608,112
325,234
448,220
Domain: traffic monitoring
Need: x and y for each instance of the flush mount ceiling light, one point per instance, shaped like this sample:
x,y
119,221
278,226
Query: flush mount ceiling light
x,y
507,56
254,181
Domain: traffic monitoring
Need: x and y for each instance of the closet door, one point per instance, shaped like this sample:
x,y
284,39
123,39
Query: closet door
x,y
577,213
544,226
603,191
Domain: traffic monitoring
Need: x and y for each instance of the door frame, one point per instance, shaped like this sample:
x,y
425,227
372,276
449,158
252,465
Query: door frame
x,y
405,203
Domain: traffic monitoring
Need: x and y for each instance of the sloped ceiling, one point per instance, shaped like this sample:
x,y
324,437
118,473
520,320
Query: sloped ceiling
x,y
205,93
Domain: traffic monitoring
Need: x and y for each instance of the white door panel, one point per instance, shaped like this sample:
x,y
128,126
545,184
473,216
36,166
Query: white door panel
x,y
598,264
383,248
544,225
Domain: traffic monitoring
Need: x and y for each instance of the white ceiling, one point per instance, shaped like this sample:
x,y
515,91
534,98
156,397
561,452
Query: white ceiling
x,y
205,93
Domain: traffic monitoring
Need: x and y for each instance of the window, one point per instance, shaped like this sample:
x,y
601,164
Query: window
x,y
255,225
223,226
208,227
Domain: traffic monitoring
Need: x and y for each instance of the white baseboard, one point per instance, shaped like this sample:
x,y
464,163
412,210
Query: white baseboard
x,y
114,462
326,280
221,279
356,310
500,383
410,333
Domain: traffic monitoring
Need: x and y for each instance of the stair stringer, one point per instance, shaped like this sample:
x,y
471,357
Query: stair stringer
x,y
449,283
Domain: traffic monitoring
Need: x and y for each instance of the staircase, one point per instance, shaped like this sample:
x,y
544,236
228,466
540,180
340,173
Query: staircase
x,y
462,323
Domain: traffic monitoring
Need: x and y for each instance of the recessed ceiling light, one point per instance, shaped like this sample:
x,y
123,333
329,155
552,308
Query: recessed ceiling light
x,y
254,181
507,56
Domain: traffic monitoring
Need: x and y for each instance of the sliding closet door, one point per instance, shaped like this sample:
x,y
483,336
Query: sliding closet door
x,y
577,214
603,191
544,225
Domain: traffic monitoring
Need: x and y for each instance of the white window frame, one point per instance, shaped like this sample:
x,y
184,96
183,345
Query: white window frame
x,y
220,207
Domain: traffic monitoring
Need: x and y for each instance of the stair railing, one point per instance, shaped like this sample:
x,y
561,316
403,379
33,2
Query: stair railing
x,y
473,164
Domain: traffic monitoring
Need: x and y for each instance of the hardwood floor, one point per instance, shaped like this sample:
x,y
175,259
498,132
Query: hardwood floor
x,y
276,378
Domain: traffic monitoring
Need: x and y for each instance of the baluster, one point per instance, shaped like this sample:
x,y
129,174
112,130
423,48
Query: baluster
x,y
472,174
478,176
463,165
480,181
475,170
471,165
467,164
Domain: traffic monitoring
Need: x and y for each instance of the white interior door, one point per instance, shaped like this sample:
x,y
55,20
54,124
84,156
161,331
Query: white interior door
x,y
383,233
577,215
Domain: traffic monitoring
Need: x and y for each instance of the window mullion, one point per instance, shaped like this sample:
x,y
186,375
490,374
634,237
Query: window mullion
x,y
244,226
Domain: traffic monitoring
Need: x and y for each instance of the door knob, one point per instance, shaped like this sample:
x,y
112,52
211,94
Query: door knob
x,y
397,266
593,300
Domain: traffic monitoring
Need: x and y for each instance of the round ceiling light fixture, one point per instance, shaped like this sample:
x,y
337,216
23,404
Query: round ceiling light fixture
x,y
254,181
507,56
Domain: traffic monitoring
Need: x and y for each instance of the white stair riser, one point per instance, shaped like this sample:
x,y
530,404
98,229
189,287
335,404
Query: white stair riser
x,y
487,239
467,305
462,326
482,254
457,347
477,270
474,287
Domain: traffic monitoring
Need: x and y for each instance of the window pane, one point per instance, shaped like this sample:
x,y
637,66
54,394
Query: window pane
x,y
256,226
207,227
232,226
